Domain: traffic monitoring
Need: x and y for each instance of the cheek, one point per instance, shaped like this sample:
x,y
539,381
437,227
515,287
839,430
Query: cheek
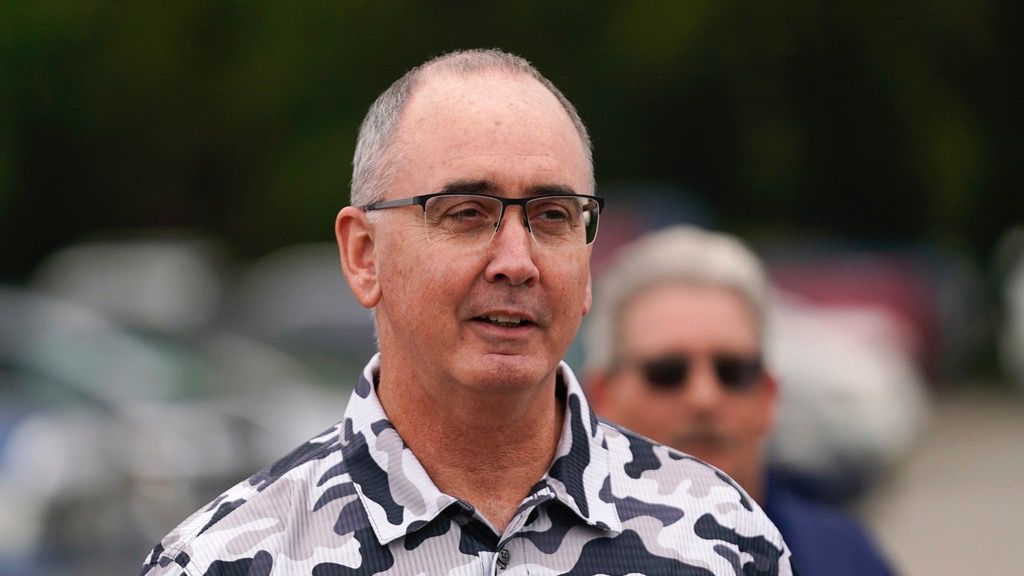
x,y
571,281
636,404
404,276
409,266
757,419
667,411
395,279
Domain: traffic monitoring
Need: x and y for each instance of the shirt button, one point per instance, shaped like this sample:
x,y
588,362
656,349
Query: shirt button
x,y
503,557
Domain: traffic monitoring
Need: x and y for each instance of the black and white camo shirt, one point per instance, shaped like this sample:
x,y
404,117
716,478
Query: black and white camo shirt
x,y
355,501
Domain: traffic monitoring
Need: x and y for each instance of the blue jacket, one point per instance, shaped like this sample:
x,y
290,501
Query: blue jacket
x,y
824,541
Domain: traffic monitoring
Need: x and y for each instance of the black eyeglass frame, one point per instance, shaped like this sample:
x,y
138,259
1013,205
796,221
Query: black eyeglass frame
x,y
422,200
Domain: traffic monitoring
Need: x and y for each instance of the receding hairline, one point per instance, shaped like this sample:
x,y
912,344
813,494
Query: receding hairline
x,y
434,80
460,65
374,158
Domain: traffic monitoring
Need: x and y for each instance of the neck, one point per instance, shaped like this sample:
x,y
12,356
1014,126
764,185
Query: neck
x,y
755,487
486,449
752,478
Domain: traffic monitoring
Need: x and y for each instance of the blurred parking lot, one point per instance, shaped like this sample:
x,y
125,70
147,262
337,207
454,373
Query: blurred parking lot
x,y
140,376
137,381
954,506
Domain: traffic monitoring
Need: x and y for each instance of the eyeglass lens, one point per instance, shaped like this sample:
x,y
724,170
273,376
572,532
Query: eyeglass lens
x,y
734,373
552,220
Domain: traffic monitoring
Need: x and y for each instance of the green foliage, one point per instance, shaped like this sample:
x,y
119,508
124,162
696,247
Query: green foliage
x,y
868,120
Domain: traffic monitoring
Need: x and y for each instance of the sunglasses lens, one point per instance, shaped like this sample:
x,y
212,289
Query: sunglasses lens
x,y
737,374
666,373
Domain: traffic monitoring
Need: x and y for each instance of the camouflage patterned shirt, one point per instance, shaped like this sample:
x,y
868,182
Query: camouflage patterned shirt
x,y
355,500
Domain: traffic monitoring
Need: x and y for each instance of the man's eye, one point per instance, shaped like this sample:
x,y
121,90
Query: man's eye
x,y
552,213
466,213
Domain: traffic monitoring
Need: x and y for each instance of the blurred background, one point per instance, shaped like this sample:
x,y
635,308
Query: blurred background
x,y
173,317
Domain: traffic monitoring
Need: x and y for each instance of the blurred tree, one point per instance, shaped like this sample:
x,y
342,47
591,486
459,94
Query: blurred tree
x,y
863,119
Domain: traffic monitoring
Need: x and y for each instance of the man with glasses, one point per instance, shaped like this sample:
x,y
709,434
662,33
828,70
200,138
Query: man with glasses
x,y
674,352
467,446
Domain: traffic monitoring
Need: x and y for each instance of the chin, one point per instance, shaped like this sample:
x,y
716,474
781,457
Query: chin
x,y
710,456
511,370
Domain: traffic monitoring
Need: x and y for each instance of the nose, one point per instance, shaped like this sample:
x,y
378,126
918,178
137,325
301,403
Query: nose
x,y
702,392
511,251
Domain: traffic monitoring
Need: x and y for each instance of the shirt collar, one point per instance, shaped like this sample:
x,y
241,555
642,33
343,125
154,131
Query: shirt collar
x,y
399,497
580,470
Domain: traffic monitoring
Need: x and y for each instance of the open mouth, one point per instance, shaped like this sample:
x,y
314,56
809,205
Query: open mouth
x,y
504,321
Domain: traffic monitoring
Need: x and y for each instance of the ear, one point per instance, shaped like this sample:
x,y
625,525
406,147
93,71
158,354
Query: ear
x,y
770,394
354,233
589,298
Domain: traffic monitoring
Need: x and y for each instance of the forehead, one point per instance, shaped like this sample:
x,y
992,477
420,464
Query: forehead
x,y
488,126
692,317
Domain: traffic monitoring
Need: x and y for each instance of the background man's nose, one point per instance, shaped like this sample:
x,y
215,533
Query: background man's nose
x,y
703,390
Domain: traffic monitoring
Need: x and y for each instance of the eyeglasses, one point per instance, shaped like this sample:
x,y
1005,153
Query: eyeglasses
x,y
554,220
735,373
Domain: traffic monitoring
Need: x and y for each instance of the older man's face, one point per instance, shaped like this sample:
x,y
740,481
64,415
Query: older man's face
x,y
698,415
440,301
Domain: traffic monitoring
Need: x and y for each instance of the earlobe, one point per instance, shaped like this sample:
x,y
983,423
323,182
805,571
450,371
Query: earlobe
x,y
354,234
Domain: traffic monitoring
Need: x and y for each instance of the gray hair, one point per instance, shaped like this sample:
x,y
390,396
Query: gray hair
x,y
373,164
678,254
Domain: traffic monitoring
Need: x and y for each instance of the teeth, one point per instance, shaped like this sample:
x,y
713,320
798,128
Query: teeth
x,y
505,320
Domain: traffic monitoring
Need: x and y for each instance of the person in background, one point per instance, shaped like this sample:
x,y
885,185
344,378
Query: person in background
x,y
468,446
674,352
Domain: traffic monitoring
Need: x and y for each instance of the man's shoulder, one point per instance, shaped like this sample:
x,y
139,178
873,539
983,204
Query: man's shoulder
x,y
791,505
811,528
314,470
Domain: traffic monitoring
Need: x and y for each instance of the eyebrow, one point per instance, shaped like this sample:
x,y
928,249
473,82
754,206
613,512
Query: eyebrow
x,y
490,187
469,187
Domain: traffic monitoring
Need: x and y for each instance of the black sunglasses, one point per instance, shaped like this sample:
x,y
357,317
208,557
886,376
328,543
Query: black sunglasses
x,y
735,373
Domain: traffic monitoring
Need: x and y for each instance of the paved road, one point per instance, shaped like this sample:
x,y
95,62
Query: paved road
x,y
956,506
